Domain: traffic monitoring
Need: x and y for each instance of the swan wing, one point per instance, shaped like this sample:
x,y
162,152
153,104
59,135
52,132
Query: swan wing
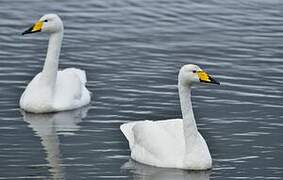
x,y
70,90
80,73
159,143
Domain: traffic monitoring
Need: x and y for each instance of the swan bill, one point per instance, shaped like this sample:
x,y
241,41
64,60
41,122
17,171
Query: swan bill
x,y
205,78
35,28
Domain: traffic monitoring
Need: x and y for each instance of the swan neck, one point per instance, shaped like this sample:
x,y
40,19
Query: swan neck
x,y
189,123
50,68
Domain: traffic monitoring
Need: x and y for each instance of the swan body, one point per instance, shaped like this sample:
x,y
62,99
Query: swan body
x,y
52,90
174,143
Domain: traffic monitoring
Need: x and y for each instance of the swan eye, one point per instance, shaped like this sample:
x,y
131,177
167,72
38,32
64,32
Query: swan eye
x,y
194,71
45,20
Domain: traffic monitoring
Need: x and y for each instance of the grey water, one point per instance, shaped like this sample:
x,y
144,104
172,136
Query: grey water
x,y
132,51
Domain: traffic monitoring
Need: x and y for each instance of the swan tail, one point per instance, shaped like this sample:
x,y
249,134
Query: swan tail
x,y
127,130
80,73
80,93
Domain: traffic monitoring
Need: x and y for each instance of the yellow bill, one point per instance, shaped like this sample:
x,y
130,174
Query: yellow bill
x,y
35,28
204,77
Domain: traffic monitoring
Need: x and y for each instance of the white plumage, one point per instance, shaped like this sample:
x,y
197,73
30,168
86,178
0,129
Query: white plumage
x,y
52,90
174,143
68,93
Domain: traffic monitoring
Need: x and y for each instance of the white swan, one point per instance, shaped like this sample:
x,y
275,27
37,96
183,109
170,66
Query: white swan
x,y
52,90
174,143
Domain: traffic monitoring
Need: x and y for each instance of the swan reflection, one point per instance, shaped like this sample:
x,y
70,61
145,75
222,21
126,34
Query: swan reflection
x,y
145,172
48,127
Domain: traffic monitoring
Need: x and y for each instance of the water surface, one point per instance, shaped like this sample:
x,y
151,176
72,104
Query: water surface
x,y
132,51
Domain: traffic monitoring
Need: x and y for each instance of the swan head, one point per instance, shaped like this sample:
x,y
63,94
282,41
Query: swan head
x,y
191,74
50,23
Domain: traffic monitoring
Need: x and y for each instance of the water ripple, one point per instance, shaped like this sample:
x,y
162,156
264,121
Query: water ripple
x,y
131,51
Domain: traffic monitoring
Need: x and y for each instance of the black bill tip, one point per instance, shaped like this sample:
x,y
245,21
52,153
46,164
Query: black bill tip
x,y
213,81
29,31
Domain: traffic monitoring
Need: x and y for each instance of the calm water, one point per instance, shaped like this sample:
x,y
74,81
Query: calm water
x,y
132,51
